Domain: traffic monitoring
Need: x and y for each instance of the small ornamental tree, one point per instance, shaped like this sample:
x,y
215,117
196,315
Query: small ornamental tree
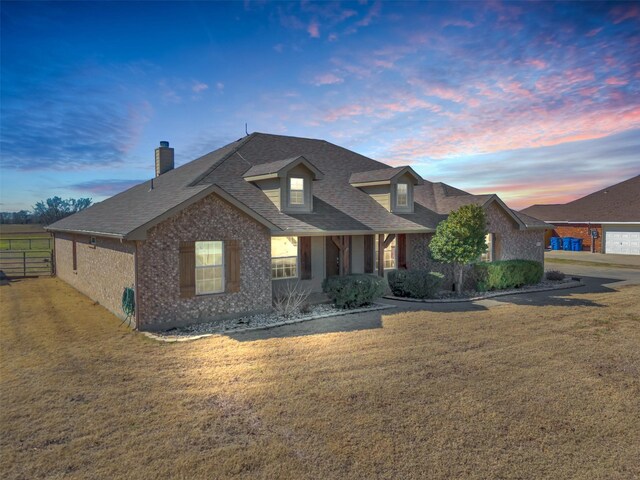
x,y
460,240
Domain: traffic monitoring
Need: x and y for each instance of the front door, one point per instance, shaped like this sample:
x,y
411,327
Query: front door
x,y
332,257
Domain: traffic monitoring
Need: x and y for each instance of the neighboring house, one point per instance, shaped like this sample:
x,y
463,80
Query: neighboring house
x,y
613,213
215,237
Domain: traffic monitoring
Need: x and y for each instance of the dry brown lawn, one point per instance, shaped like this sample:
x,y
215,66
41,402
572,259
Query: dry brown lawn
x,y
512,392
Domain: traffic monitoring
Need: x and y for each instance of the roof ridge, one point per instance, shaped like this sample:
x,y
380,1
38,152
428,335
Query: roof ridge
x,y
243,142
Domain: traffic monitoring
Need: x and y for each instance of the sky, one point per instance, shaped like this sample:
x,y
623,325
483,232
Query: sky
x,y
537,102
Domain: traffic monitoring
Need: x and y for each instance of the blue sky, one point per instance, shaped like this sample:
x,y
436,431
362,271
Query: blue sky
x,y
537,102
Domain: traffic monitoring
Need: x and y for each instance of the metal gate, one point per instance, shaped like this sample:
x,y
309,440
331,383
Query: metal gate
x,y
26,263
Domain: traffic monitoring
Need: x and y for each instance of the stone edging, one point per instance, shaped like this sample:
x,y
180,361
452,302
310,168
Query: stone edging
x,y
562,286
187,338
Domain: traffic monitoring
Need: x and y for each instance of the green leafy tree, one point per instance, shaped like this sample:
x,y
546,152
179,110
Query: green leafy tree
x,y
460,240
55,208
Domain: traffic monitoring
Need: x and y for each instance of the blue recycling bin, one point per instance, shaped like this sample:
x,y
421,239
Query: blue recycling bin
x,y
555,243
566,243
576,244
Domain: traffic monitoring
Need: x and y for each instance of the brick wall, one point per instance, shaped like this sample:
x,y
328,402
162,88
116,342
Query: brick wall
x,y
103,270
583,231
512,243
160,305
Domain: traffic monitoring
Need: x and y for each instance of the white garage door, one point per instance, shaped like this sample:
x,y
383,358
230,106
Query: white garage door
x,y
626,243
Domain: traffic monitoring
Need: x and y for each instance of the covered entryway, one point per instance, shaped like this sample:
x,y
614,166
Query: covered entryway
x,y
338,255
622,241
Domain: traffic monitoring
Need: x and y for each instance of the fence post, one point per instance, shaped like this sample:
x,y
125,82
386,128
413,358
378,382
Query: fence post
x,y
24,263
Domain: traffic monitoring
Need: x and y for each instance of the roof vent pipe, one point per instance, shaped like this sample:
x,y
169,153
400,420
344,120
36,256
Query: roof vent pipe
x,y
164,158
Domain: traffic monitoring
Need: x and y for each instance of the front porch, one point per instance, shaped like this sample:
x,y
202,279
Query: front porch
x,y
311,259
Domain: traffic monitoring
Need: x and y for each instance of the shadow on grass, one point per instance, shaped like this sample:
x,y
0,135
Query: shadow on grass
x,y
344,323
373,320
563,298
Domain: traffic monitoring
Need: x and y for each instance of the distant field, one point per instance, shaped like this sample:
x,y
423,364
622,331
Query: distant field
x,y
29,230
25,237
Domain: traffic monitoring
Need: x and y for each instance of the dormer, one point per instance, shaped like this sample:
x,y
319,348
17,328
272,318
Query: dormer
x,y
390,187
287,183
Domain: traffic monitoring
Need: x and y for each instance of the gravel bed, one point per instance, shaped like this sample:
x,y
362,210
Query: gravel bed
x,y
446,296
257,322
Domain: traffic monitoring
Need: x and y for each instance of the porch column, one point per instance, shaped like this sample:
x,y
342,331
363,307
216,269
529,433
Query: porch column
x,y
381,255
345,254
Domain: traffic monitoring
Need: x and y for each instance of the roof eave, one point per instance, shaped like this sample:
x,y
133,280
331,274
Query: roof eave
x,y
140,233
85,232
495,198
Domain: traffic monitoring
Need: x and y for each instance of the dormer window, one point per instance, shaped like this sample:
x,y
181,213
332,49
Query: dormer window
x,y
402,195
287,183
391,187
296,191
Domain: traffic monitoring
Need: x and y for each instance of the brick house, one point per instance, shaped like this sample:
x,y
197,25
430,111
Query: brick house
x,y
215,237
613,213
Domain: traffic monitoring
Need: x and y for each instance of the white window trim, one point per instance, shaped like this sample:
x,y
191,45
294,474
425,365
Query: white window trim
x,y
398,204
375,256
296,205
489,253
297,257
222,290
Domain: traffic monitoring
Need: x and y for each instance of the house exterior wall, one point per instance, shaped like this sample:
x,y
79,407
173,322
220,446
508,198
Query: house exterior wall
x,y
583,231
511,243
314,284
357,254
160,305
103,270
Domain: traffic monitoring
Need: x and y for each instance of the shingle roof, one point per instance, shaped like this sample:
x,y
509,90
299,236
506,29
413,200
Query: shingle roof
x,y
271,167
617,203
381,175
338,206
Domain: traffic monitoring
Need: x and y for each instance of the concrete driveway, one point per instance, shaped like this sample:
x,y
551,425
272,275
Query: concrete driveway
x,y
596,267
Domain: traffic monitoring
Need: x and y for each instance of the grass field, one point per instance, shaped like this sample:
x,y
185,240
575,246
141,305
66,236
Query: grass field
x,y
24,237
28,229
515,391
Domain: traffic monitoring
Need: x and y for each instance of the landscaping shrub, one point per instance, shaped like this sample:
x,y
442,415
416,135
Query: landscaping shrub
x,y
414,283
289,298
352,291
505,274
555,275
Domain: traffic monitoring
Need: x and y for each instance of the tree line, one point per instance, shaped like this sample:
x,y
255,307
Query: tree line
x,y
46,211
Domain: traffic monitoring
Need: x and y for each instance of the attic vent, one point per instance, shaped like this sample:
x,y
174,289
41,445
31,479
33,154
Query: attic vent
x,y
164,158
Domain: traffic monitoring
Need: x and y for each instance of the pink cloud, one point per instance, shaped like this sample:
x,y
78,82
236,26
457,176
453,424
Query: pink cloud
x,y
199,87
629,11
588,91
371,14
313,29
616,81
515,88
512,129
594,32
537,63
457,23
438,90
558,84
397,103
327,79
353,110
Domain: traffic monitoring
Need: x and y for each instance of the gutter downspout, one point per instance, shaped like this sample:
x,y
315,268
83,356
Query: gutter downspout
x,y
135,290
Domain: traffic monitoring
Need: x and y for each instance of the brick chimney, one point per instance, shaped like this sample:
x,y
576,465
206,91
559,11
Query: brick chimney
x,y
164,158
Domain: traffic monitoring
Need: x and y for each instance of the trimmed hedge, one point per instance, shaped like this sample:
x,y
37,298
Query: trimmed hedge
x,y
504,274
414,283
353,291
555,275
